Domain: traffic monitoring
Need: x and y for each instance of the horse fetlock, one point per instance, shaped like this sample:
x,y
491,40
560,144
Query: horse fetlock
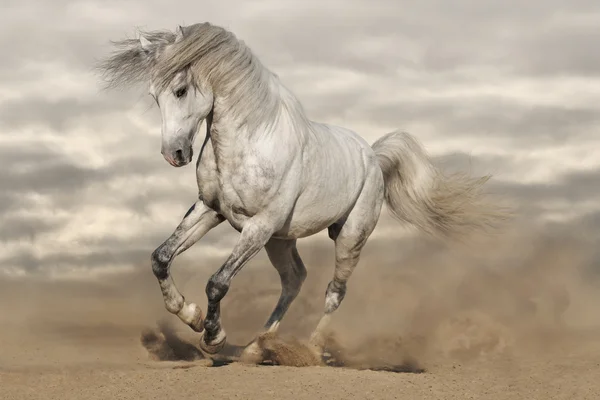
x,y
212,344
174,305
334,295
273,327
197,321
192,315
212,327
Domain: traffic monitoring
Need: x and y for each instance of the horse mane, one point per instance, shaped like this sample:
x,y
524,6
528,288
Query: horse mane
x,y
129,63
211,54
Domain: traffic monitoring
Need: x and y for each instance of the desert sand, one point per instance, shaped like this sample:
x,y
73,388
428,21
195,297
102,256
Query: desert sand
x,y
514,320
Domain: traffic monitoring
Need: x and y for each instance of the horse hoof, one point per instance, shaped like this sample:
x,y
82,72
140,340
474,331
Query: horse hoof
x,y
252,354
215,345
317,342
197,323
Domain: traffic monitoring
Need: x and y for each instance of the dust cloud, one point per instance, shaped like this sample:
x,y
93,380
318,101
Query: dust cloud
x,y
411,303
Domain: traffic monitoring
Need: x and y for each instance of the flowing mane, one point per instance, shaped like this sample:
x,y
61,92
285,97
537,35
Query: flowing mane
x,y
129,63
253,94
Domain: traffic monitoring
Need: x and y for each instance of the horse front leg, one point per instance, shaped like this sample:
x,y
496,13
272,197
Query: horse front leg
x,y
255,234
195,224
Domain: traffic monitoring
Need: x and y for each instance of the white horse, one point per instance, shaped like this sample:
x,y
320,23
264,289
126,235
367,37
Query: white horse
x,y
275,175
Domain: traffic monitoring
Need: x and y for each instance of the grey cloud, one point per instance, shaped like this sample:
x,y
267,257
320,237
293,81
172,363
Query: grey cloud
x,y
46,171
110,250
27,156
508,36
60,115
56,178
480,116
33,263
433,35
464,162
589,226
569,52
39,32
9,201
141,201
43,171
572,187
26,227
324,107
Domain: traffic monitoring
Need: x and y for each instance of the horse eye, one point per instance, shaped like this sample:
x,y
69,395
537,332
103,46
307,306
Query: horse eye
x,y
180,92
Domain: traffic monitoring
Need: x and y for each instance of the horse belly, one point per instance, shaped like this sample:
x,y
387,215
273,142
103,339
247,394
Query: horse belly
x,y
322,206
304,224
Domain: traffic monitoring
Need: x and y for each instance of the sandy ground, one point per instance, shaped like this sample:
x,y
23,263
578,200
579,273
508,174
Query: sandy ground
x,y
518,322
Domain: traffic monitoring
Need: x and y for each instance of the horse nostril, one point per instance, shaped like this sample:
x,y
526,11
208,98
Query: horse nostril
x,y
179,155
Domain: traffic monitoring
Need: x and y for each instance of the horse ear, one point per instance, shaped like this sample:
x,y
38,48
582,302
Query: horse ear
x,y
146,44
178,33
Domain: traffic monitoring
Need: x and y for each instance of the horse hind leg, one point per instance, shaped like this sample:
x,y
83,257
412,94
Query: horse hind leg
x,y
347,254
350,238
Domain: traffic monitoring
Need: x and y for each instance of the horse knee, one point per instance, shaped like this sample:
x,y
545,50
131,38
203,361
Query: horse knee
x,y
216,289
160,263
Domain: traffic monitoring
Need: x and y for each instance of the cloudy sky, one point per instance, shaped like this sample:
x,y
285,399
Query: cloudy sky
x,y
508,87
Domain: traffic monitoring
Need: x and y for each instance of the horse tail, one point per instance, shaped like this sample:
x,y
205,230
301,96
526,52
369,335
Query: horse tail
x,y
418,193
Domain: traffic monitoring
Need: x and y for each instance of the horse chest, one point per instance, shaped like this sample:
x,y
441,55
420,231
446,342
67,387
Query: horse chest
x,y
207,178
236,190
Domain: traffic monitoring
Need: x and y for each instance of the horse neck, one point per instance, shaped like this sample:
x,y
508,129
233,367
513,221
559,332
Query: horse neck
x,y
232,127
